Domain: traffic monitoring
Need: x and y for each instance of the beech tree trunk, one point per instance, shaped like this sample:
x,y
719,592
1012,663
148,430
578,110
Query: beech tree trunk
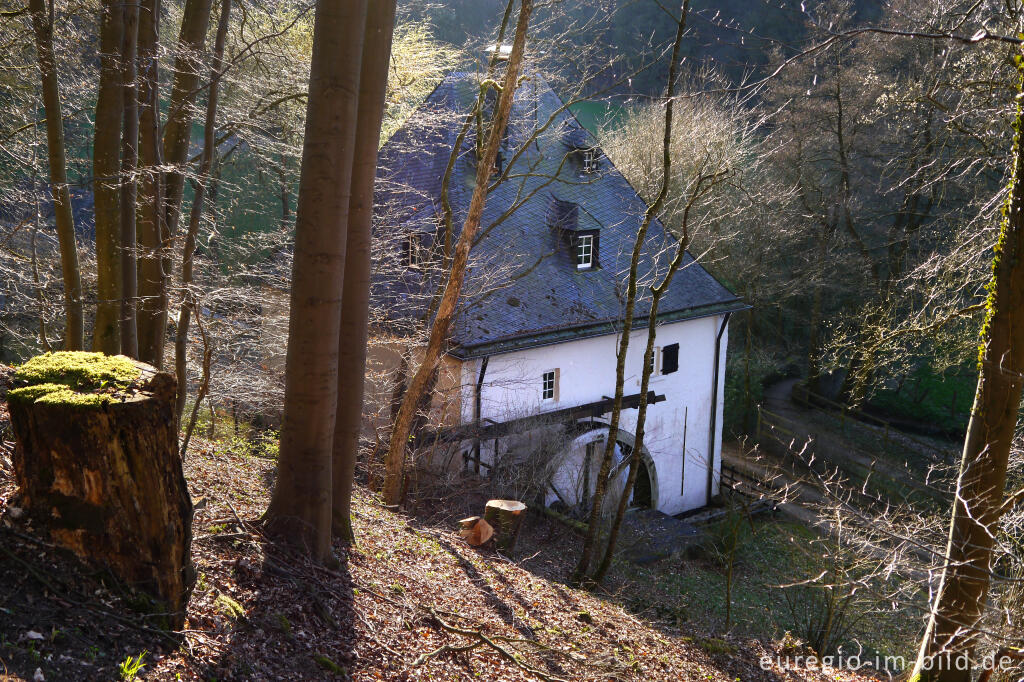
x,y
196,214
355,297
42,25
394,463
129,162
178,130
948,645
152,239
301,506
106,168
107,482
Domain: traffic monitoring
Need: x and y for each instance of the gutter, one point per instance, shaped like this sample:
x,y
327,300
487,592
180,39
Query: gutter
x,y
551,338
477,401
714,407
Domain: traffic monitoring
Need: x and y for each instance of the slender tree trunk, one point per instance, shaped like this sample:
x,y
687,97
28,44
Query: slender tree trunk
x,y
300,509
747,348
129,163
178,129
36,221
657,292
196,214
814,323
601,487
106,168
152,237
286,194
42,24
949,641
355,299
394,463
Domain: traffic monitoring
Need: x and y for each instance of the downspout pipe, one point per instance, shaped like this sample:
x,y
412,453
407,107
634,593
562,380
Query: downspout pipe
x,y
714,407
477,401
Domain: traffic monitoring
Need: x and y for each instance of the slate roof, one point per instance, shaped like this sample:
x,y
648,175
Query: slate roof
x,y
543,298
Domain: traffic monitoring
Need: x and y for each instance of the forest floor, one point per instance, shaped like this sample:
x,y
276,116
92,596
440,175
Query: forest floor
x,y
411,601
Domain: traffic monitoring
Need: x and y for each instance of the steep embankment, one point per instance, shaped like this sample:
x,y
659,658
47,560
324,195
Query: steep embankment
x,y
412,601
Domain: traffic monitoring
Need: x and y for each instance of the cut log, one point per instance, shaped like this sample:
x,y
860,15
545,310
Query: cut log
x,y
475,530
506,516
97,463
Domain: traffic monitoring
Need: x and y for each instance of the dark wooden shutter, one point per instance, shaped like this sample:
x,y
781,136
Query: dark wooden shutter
x,y
670,358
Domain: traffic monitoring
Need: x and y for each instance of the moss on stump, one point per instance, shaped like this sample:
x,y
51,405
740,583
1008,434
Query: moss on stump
x,y
97,463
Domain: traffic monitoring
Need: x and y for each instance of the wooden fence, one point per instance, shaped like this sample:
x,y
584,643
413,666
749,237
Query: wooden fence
x,y
890,439
866,480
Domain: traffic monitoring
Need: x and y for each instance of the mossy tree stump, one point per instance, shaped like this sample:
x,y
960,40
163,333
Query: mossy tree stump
x,y
97,463
506,517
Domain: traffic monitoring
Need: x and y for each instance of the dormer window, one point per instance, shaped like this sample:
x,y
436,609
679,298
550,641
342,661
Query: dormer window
x,y
584,252
412,249
499,163
590,159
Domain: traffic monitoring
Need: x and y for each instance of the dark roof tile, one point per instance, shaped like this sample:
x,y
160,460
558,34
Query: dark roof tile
x,y
547,187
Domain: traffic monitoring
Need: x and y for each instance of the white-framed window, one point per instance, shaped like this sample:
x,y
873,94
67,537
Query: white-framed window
x,y
549,386
585,251
413,251
653,364
589,160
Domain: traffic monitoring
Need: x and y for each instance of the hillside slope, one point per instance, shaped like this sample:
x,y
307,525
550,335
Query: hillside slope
x,y
412,601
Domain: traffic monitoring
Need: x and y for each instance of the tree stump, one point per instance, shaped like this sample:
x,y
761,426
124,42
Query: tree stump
x,y
97,463
506,517
475,531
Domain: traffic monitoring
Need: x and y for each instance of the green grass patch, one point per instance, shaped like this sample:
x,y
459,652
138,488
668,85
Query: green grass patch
x,y
929,397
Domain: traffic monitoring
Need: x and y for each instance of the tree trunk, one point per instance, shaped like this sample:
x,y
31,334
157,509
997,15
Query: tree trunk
x,y
300,509
506,518
814,323
601,487
355,299
42,24
129,162
196,214
475,531
106,168
152,241
178,131
394,463
107,481
949,641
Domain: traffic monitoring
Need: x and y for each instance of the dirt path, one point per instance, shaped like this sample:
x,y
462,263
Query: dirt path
x,y
903,465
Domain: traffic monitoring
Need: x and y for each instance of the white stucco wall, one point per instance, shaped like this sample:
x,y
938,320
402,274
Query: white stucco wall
x,y
586,367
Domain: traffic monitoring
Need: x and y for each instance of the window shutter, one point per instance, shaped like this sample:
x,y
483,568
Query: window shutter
x,y
670,358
